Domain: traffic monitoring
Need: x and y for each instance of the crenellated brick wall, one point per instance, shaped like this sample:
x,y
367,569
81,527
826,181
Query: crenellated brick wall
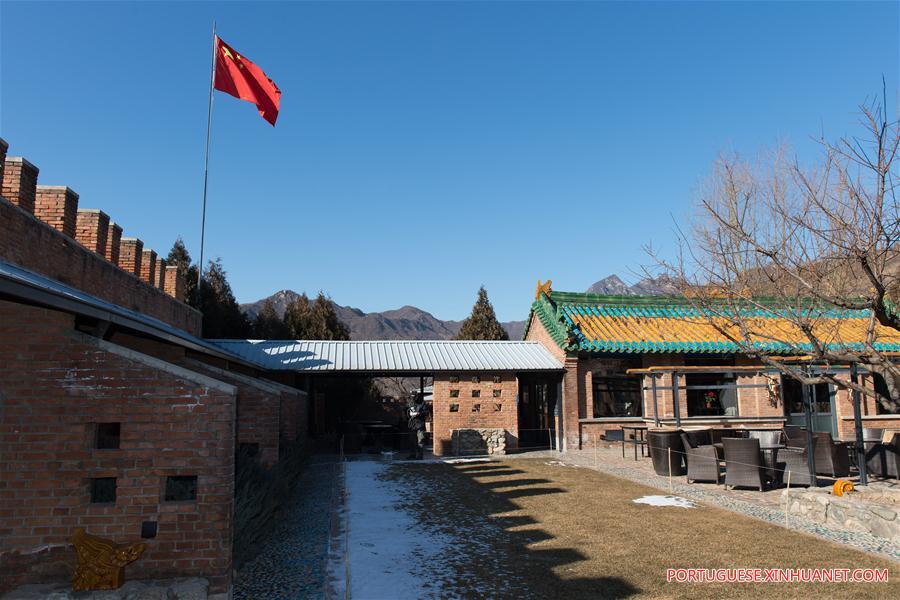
x,y
42,229
57,206
57,385
34,245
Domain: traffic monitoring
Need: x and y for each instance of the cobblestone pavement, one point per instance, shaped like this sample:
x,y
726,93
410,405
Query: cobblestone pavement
x,y
762,505
294,563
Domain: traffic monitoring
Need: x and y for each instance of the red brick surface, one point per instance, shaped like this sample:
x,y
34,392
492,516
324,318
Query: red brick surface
x,y
92,229
113,241
444,421
55,384
26,241
57,206
20,183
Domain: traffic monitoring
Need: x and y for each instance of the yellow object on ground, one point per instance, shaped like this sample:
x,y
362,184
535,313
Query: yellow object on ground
x,y
842,486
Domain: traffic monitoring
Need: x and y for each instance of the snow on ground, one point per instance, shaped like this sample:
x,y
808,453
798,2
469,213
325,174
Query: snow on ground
x,y
386,553
665,501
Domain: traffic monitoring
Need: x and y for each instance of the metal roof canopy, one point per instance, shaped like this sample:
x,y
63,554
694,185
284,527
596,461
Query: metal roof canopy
x,y
393,357
20,283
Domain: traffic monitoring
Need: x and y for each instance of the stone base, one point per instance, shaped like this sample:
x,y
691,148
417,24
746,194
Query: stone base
x,y
871,510
163,589
479,441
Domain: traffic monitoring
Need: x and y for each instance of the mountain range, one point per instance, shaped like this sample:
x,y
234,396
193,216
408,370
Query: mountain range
x,y
412,323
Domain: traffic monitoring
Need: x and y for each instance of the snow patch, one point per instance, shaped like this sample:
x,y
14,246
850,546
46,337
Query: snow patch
x,y
388,552
676,501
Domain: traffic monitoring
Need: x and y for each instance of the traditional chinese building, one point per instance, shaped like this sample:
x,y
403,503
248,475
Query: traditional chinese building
x,y
650,359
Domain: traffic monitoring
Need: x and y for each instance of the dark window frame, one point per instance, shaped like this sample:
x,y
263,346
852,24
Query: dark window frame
x,y
170,493
96,486
615,388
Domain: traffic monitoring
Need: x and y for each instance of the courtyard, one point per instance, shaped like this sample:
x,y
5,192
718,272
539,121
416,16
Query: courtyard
x,y
537,527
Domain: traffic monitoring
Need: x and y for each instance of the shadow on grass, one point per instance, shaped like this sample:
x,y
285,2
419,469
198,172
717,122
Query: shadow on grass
x,y
475,503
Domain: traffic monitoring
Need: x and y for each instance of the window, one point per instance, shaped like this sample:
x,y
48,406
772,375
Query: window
x,y
882,390
617,397
498,379
792,397
711,394
103,490
181,488
497,407
107,436
454,393
454,408
476,379
454,379
498,393
476,408
476,393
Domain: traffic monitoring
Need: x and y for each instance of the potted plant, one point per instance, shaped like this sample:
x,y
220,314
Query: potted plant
x,y
710,398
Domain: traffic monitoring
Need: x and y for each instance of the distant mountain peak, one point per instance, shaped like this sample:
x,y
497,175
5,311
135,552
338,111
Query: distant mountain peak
x,y
612,285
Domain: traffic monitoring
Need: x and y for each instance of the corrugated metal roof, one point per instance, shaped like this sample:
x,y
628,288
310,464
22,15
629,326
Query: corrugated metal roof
x,y
393,356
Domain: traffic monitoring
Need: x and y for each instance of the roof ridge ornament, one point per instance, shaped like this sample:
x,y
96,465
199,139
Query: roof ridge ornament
x,y
543,288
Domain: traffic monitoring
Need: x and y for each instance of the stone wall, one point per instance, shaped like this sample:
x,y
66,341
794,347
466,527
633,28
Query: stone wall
x,y
479,441
872,509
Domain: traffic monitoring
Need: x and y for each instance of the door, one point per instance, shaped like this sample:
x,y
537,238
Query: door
x,y
821,397
537,401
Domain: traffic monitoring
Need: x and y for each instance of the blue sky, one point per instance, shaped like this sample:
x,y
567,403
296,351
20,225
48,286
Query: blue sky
x,y
424,149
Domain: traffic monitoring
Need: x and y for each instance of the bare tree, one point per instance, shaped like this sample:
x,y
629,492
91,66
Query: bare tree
x,y
809,244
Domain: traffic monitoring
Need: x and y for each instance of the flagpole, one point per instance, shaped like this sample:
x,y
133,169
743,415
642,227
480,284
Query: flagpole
x,y
212,79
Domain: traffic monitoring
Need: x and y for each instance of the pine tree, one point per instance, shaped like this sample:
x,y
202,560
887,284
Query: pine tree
x,y
315,320
326,319
268,325
187,272
222,317
482,324
298,318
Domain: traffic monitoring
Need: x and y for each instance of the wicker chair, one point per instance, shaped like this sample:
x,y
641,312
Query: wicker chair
x,y
795,436
883,460
794,460
702,461
743,463
831,459
767,438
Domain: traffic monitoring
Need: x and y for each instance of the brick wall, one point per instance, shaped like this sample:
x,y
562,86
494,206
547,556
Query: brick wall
x,y
444,421
34,245
20,182
57,206
113,242
258,410
92,229
148,267
846,426
56,384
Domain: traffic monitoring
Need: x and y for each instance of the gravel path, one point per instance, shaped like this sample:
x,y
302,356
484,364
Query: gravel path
x,y
294,563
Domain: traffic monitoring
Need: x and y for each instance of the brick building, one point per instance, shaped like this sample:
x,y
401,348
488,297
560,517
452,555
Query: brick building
x,y
115,416
634,360
481,398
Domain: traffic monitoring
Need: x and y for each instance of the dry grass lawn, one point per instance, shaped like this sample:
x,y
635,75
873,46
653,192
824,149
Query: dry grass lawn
x,y
535,529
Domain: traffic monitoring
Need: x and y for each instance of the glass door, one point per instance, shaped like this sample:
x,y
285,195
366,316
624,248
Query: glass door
x,y
821,396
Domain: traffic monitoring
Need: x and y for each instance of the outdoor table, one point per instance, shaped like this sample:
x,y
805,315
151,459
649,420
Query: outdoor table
x,y
638,438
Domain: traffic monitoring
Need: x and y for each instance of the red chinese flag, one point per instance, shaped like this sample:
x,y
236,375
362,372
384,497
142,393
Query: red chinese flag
x,y
242,79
